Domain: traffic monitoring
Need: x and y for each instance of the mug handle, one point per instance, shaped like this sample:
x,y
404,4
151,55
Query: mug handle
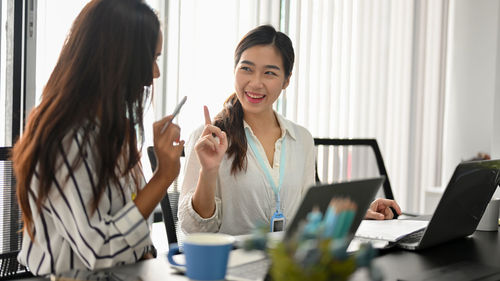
x,y
173,250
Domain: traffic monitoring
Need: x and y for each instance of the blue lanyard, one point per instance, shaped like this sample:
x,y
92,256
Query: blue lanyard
x,y
276,189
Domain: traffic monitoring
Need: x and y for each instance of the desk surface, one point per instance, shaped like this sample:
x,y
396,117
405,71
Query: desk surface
x,y
481,248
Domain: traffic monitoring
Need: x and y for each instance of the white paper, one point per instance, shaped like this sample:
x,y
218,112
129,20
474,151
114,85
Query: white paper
x,y
389,230
356,243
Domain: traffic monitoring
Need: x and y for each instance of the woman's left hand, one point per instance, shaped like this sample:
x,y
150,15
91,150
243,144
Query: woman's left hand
x,y
380,209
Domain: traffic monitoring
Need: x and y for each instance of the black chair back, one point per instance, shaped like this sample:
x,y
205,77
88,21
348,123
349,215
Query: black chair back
x,y
341,150
169,204
350,159
11,236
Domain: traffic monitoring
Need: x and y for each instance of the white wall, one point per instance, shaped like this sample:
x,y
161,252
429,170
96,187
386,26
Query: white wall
x,y
472,113
472,94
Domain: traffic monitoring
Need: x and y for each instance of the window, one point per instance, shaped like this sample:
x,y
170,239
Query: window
x,y
54,19
6,71
11,55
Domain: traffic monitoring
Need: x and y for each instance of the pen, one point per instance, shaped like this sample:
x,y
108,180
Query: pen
x,y
176,111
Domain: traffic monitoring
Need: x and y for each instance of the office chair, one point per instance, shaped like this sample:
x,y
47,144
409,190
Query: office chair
x,y
350,159
169,203
11,222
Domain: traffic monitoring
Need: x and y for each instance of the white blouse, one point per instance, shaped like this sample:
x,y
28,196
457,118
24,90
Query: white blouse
x,y
246,200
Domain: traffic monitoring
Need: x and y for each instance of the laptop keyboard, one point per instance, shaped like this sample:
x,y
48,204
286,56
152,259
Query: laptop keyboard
x,y
413,237
255,270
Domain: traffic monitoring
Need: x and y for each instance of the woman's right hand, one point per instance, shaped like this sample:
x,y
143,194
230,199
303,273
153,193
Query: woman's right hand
x,y
211,146
168,149
380,209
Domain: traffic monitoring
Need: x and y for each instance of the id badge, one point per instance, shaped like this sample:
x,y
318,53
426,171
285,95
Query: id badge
x,y
278,222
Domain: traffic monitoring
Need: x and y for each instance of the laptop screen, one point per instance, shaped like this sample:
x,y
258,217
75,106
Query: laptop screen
x,y
463,202
361,192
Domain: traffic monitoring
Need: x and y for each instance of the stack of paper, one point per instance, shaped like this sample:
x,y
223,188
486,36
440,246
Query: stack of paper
x,y
389,230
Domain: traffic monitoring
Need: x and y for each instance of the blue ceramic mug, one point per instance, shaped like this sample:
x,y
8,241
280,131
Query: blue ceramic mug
x,y
206,255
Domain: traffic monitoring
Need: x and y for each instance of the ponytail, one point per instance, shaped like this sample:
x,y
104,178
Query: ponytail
x,y
230,120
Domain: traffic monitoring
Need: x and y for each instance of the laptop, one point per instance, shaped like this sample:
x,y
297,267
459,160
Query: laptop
x,y
459,210
245,265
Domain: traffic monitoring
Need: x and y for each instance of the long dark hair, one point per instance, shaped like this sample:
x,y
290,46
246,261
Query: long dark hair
x,y
106,61
230,119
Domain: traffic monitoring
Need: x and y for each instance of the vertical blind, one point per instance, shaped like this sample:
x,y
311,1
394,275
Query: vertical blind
x,y
373,69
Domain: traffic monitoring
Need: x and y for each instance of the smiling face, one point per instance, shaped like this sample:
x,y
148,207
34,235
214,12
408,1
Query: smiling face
x,y
259,78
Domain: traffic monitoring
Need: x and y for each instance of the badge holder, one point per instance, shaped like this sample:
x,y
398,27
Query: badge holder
x,y
278,222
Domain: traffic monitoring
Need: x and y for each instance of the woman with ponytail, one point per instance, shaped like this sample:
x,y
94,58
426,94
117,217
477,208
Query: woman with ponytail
x,y
250,166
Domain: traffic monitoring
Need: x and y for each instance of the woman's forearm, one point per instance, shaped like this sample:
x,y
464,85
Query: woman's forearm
x,y
204,196
148,198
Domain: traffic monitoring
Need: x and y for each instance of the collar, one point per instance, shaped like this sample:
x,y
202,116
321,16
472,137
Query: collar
x,y
285,125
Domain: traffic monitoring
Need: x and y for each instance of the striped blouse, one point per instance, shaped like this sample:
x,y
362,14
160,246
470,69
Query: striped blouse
x,y
68,235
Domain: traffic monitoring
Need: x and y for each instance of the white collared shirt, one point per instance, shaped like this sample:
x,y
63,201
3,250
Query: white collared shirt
x,y
246,199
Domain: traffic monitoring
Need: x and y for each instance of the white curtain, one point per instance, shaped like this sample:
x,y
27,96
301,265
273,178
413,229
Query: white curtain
x,y
373,69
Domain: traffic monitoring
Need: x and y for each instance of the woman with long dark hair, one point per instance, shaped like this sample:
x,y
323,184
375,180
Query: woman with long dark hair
x,y
252,166
80,186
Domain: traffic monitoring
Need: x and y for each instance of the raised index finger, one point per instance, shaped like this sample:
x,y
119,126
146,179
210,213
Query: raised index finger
x,y
208,121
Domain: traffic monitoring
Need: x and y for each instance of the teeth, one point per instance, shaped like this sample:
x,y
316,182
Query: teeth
x,y
254,96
